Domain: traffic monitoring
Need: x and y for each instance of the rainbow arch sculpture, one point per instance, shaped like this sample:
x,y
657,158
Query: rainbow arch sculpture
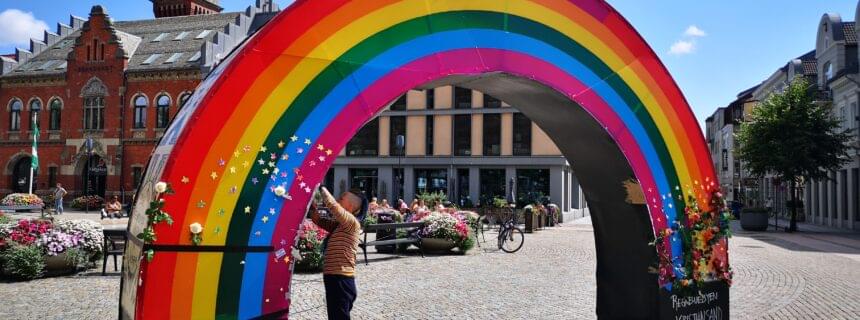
x,y
279,109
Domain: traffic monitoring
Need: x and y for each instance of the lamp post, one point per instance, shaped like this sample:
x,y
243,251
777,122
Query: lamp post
x,y
400,143
89,147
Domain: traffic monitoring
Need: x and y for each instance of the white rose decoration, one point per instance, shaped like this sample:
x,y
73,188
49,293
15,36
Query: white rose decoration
x,y
161,187
196,228
280,191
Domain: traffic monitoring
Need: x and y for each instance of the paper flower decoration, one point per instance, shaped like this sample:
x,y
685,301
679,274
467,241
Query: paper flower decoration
x,y
161,187
196,230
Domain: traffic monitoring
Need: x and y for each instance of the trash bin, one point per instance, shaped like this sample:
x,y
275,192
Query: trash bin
x,y
385,234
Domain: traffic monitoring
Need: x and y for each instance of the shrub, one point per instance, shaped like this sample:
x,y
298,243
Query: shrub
x,y
94,202
23,262
22,199
433,198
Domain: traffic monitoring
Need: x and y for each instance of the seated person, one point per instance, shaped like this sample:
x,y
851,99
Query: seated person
x,y
112,209
385,204
373,204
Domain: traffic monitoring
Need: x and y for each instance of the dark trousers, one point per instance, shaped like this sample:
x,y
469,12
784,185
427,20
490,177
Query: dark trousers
x,y
340,293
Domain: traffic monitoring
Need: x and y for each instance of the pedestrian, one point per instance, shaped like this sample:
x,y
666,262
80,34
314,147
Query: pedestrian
x,y
339,262
59,193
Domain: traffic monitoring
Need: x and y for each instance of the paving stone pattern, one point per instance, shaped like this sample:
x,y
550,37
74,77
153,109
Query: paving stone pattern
x,y
777,276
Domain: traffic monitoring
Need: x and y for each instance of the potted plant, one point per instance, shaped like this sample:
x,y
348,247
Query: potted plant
x,y
754,219
445,231
64,247
532,217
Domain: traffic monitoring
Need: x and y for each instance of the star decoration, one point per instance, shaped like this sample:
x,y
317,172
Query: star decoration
x,y
265,171
185,180
233,190
273,156
321,158
255,180
261,161
328,152
294,138
232,169
276,170
213,175
236,153
271,164
300,150
217,230
201,204
308,141
246,148
272,211
320,147
302,184
296,170
281,144
247,209
221,162
263,149
221,212
300,177
312,163
245,164
258,233
285,157
265,219
307,190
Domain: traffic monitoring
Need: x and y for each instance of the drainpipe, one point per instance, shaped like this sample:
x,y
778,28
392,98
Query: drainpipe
x,y
120,146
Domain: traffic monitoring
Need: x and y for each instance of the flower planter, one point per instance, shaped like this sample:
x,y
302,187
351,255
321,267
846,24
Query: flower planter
x,y
754,220
437,245
532,221
59,264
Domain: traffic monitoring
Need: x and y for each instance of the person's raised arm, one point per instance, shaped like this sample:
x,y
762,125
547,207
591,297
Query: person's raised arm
x,y
340,214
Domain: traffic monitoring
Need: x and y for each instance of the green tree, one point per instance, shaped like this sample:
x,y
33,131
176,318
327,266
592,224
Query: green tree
x,y
793,137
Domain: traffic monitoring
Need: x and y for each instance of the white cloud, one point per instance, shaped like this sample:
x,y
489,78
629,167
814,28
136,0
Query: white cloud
x,y
682,47
694,31
19,26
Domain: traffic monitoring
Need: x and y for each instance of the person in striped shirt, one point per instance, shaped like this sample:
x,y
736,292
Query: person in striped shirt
x,y
344,227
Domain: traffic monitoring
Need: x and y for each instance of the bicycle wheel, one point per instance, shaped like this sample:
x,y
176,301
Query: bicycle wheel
x,y
513,240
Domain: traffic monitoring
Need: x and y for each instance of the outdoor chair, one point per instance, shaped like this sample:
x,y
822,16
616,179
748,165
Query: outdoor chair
x,y
114,245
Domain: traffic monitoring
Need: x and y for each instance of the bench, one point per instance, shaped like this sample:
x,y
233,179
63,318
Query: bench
x,y
114,245
411,238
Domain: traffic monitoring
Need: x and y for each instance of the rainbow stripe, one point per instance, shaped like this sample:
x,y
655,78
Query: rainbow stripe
x,y
279,111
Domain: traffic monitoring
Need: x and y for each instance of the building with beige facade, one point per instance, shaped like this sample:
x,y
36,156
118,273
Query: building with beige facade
x,y
459,141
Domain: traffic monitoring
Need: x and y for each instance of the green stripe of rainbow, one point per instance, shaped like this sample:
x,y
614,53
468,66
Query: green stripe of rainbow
x,y
270,90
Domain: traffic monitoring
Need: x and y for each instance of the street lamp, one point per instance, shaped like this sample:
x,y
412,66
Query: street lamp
x,y
400,143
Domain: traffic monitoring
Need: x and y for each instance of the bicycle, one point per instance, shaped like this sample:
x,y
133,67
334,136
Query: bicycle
x,y
511,237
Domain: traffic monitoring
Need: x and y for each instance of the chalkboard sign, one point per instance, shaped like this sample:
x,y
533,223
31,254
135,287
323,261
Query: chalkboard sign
x,y
711,302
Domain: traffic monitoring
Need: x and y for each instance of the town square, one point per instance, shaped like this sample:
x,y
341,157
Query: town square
x,y
429,159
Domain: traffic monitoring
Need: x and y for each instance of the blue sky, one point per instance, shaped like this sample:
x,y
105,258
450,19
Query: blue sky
x,y
733,44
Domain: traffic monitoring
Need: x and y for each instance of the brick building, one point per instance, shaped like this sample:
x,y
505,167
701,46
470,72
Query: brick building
x,y
115,84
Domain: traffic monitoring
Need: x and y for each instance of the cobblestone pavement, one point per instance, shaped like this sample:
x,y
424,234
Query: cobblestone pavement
x,y
807,275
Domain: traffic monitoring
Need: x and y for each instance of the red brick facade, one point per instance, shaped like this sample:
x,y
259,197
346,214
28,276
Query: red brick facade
x,y
96,67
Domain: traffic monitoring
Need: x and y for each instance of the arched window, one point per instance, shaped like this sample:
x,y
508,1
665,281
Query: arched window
x,y
56,106
828,71
183,99
35,107
15,115
162,111
140,112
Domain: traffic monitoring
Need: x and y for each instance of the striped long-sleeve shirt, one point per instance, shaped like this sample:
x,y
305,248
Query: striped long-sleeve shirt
x,y
343,242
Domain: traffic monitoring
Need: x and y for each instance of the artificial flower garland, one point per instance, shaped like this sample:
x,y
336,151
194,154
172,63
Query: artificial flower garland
x,y
155,215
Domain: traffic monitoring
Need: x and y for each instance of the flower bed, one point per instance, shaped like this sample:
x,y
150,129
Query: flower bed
x,y
95,202
22,199
28,246
310,247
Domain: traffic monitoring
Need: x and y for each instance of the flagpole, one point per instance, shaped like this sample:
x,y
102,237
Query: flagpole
x,y
34,162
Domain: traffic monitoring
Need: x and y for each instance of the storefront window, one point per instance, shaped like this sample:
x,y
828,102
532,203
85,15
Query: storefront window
x,y
431,180
532,186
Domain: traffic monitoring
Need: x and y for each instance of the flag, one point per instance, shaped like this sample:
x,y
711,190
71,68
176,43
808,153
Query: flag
x,y
34,162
